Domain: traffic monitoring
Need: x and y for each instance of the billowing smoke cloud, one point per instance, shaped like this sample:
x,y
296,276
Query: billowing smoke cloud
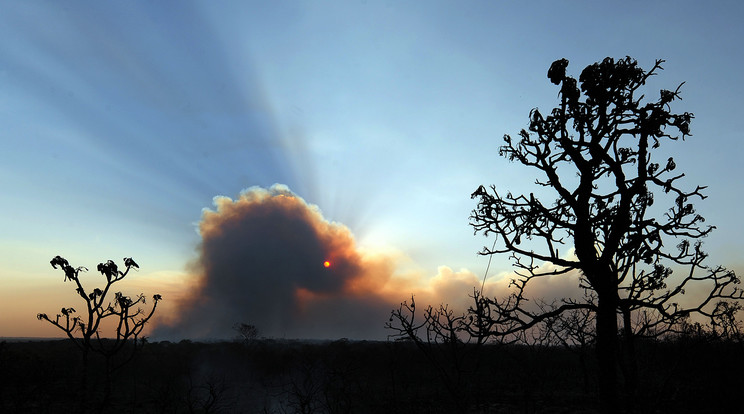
x,y
272,260
262,260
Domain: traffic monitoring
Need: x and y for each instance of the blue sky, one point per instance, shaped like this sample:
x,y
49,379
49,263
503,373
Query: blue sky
x,y
120,121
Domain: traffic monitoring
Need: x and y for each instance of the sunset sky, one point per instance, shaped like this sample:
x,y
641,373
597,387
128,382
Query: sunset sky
x,y
120,122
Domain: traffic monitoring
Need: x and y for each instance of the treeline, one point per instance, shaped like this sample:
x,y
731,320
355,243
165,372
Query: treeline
x,y
691,373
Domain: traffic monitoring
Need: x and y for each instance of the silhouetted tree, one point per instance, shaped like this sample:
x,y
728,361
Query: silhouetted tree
x,y
246,333
449,341
84,331
573,329
595,152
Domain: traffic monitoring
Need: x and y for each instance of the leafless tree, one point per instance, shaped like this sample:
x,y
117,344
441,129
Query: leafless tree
x,y
208,394
246,333
450,341
124,312
597,154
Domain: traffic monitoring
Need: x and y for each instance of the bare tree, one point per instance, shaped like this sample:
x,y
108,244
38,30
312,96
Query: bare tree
x,y
247,333
124,313
595,153
449,341
210,395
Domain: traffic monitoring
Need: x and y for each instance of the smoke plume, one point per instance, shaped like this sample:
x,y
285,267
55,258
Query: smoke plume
x,y
272,260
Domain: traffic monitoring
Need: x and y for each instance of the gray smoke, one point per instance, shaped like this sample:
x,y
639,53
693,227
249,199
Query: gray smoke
x,y
261,262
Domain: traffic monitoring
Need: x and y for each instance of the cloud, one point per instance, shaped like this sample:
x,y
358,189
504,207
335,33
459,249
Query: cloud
x,y
261,261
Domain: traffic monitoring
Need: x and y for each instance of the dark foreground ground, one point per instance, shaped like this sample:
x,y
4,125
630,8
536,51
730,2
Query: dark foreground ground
x,y
365,377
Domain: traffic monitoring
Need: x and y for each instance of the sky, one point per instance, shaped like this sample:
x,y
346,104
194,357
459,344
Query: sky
x,y
190,135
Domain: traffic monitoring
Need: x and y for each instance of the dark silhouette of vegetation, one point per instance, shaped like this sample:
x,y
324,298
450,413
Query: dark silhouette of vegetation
x,y
123,313
451,343
247,333
596,153
680,374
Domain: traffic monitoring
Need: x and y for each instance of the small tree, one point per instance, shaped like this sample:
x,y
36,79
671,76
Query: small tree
x,y
124,313
596,153
451,342
246,333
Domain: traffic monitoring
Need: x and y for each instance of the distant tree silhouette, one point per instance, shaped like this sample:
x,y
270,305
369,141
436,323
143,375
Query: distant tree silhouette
x,y
124,312
594,152
247,333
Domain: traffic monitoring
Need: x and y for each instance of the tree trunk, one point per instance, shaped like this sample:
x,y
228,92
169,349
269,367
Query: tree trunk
x,y
83,400
630,365
607,350
107,385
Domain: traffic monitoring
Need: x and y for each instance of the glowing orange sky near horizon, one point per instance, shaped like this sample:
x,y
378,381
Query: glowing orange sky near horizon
x,y
368,281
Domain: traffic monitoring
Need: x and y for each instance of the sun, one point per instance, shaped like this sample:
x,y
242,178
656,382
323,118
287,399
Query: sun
x,y
326,264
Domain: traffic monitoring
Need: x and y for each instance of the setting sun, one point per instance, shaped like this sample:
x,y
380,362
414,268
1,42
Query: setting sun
x,y
326,264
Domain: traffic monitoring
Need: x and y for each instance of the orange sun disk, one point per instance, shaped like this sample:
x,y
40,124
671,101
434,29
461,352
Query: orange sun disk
x,y
326,264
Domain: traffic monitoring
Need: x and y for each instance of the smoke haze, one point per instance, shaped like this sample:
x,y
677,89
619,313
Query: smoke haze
x,y
261,262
